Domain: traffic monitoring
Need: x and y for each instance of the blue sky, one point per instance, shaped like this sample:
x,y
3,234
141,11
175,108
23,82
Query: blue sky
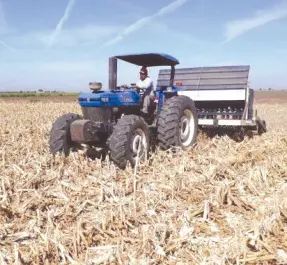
x,y
63,45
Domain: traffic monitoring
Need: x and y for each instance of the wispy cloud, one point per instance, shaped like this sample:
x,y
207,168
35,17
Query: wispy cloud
x,y
170,8
85,36
239,27
3,27
143,21
3,24
6,45
61,22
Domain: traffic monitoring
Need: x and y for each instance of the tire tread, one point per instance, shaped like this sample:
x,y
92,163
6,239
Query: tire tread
x,y
60,136
169,119
119,139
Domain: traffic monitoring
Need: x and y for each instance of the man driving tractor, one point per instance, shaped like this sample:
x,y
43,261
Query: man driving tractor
x,y
145,83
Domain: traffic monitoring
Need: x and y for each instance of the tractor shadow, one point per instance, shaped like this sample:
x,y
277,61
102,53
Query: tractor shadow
x,y
96,153
235,135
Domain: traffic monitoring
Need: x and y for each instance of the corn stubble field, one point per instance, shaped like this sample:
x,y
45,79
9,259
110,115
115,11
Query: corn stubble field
x,y
221,203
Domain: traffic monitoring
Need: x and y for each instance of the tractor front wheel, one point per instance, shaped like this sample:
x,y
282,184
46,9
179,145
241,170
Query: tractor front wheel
x,y
130,139
60,137
177,123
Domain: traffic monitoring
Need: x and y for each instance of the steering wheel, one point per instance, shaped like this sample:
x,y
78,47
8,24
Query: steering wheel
x,y
134,87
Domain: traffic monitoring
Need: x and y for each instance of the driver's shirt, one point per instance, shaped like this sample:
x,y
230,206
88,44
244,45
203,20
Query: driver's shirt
x,y
146,85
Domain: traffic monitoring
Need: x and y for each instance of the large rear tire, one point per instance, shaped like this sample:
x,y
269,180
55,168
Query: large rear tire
x,y
60,137
130,134
177,123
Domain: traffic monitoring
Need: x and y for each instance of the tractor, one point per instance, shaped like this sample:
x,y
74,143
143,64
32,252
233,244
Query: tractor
x,y
111,119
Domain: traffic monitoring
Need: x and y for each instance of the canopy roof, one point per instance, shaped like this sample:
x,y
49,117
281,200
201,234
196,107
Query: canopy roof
x,y
149,59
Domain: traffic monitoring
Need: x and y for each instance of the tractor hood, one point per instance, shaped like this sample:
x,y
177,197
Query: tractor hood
x,y
109,99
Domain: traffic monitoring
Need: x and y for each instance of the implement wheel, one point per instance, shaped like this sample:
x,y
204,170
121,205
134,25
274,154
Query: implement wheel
x,y
262,126
178,123
130,138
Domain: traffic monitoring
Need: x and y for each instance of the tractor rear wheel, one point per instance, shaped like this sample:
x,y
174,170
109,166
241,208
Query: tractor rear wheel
x,y
130,138
60,137
177,123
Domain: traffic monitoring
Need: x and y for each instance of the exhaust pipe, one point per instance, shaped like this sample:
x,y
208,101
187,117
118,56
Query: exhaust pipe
x,y
112,73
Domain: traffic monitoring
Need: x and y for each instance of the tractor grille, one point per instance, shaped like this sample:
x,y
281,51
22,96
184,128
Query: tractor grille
x,y
97,114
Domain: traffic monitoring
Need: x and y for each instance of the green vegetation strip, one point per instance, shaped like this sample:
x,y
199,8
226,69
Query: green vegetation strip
x,y
33,94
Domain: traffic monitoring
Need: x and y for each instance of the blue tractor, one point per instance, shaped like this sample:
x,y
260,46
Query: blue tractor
x,y
111,119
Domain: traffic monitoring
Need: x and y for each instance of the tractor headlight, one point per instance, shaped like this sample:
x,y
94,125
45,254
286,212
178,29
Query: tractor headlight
x,y
105,99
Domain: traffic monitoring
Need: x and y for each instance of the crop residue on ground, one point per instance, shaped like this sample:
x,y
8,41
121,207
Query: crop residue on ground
x,y
221,203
